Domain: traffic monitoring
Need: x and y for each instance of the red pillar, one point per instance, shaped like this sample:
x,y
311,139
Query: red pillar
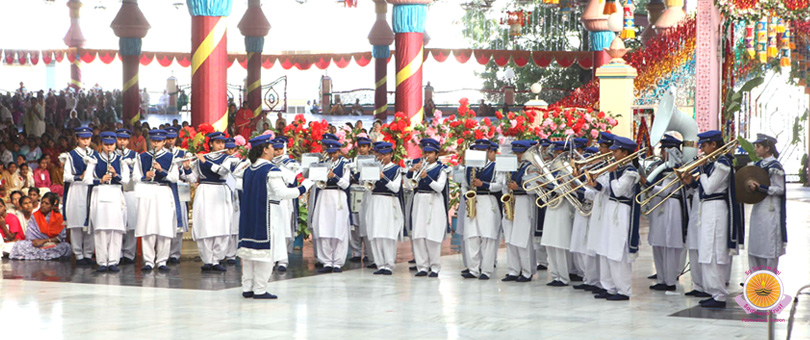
x,y
209,62
254,27
75,39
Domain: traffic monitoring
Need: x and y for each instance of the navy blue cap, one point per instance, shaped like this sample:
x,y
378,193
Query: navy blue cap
x,y
761,137
710,136
481,144
521,145
580,142
383,147
284,139
216,135
606,138
83,132
533,142
108,137
329,136
123,133
157,134
363,141
428,140
331,145
592,150
558,145
278,143
259,140
670,142
172,132
623,143
230,143
430,145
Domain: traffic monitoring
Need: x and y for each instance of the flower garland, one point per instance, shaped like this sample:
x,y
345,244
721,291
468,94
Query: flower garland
x,y
305,137
436,129
397,133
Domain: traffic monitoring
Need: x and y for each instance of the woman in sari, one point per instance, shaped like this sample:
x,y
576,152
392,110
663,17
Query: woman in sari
x,y
45,236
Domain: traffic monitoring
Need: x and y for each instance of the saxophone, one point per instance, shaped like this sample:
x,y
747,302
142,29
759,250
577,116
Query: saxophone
x,y
508,201
470,195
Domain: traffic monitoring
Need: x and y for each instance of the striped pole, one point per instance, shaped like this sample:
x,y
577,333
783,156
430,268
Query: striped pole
x,y
130,26
254,27
209,60
75,40
381,37
409,26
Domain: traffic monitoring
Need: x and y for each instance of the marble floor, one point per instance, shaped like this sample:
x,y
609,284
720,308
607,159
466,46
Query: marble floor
x,y
37,302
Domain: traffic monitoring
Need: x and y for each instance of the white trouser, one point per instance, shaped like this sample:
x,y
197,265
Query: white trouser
x,y
316,253
558,264
385,252
108,246
427,254
332,251
540,252
658,261
130,242
715,277
573,266
696,269
230,250
281,262
177,245
670,266
480,255
591,269
82,243
356,242
212,249
255,275
155,249
464,252
520,261
616,276
754,261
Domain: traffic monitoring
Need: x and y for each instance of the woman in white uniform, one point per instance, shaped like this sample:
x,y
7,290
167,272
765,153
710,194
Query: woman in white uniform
x,y
385,216
128,158
213,204
768,240
557,229
108,210
598,219
519,232
429,212
331,213
261,219
78,177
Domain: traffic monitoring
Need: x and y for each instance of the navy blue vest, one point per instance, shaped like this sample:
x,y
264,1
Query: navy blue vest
x,y
164,158
254,212
331,184
485,174
101,168
207,175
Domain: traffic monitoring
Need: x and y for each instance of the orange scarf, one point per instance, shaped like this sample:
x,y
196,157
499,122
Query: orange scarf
x,y
52,228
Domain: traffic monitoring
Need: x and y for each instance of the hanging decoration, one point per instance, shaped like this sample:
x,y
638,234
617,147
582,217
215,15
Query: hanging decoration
x,y
772,49
628,31
516,20
762,39
610,7
749,40
753,10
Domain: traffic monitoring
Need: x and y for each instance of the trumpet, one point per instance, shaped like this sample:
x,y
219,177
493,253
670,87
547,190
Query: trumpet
x,y
581,164
471,198
322,184
591,176
414,181
681,173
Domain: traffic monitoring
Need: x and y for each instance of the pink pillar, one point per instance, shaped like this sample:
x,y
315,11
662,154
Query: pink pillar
x,y
707,94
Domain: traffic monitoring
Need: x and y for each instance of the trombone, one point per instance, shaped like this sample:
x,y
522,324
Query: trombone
x,y
680,173
592,175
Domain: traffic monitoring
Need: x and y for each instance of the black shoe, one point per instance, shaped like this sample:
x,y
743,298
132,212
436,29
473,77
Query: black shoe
x,y
247,295
282,268
365,258
483,277
266,296
387,272
219,268
337,270
523,279
146,268
126,260
164,269
355,259
666,288
657,286
574,278
703,295
230,262
422,273
372,266
653,276
602,295
81,262
597,291
706,300
173,260
712,303
433,274
101,269
318,265
580,286
509,278
467,275
207,267
113,269
412,268
617,297
541,267
325,270
465,271
379,272
693,293
412,261
591,288
556,283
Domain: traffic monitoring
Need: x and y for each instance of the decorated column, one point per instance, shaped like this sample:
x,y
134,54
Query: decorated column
x,y
381,37
673,15
130,26
209,62
599,34
254,26
654,10
616,88
75,40
707,65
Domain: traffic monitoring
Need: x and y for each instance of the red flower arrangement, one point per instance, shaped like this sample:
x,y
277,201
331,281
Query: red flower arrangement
x,y
196,141
397,133
305,137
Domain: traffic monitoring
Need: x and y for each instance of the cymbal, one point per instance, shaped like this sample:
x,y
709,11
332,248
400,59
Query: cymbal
x,y
746,175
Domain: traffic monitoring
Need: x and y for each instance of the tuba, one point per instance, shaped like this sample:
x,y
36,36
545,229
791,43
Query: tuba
x,y
470,196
